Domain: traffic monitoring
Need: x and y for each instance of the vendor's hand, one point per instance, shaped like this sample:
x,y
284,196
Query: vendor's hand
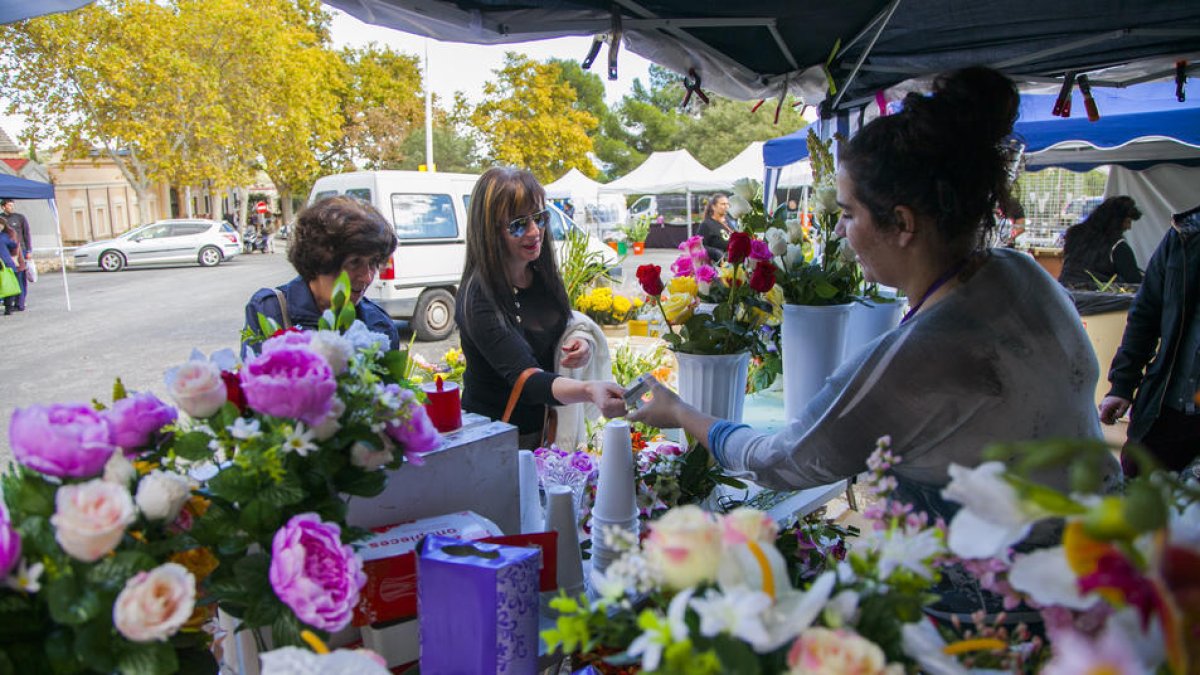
x,y
608,397
663,409
1113,408
576,353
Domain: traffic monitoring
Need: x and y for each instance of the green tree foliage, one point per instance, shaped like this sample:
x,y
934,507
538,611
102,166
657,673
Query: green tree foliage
x,y
725,127
528,119
610,141
452,151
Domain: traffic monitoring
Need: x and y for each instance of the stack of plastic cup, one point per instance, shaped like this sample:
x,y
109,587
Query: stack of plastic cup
x,y
616,498
561,518
531,497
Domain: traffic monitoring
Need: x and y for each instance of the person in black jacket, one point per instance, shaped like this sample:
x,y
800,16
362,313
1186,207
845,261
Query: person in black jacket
x,y
512,310
717,226
1096,251
1157,368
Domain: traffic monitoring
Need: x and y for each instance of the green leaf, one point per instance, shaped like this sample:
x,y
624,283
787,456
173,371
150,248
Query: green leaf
x,y
114,570
252,571
94,644
360,483
267,326
147,658
69,604
285,630
1145,507
284,493
233,484
396,363
28,494
264,612
260,518
346,317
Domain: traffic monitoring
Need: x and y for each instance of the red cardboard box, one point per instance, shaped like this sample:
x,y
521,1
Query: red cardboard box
x,y
390,563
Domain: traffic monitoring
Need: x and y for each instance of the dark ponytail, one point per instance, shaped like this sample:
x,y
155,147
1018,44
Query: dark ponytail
x,y
943,156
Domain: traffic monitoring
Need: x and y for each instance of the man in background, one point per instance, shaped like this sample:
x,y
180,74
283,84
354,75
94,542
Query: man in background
x,y
21,225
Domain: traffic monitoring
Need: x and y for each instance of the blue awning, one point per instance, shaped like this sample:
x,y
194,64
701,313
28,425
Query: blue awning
x,y
20,188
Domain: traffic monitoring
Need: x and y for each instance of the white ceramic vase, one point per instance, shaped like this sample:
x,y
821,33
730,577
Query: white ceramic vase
x,y
714,383
813,341
869,321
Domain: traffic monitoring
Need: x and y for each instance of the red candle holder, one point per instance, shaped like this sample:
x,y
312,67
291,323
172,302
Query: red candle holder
x,y
444,405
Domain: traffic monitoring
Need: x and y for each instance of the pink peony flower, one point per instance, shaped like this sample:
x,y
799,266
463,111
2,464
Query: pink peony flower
x,y
314,574
134,420
62,440
705,274
291,382
154,605
416,435
90,518
10,544
290,339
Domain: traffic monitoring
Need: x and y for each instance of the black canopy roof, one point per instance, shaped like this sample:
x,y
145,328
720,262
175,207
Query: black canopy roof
x,y
754,48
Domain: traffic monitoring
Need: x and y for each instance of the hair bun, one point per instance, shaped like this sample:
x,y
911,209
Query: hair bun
x,y
984,102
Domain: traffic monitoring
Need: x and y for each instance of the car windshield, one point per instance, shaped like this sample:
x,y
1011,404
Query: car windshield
x,y
135,232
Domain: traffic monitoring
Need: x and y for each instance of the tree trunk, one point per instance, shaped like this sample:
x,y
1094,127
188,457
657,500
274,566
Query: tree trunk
x,y
243,211
187,201
285,203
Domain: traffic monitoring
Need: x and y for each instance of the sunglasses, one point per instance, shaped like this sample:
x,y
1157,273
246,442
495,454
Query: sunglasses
x,y
519,226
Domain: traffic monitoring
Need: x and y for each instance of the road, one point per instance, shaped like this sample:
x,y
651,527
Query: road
x,y
133,324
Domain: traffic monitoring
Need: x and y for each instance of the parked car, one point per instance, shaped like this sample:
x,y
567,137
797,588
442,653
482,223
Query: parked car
x,y
205,242
1077,210
429,213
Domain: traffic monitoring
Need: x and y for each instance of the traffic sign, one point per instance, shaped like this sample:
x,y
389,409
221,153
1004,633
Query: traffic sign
x,y
261,207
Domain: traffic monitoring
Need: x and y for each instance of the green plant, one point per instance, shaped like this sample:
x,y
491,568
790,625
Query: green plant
x,y
637,230
580,268
629,363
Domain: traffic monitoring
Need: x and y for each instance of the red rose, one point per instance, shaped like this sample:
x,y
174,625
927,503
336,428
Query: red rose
x,y
650,277
762,279
233,390
739,247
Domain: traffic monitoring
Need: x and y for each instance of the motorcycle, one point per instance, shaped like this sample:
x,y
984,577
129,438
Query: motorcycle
x,y
249,241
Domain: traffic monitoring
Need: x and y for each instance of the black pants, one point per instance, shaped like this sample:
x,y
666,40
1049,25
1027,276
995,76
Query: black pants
x,y
10,304
1173,439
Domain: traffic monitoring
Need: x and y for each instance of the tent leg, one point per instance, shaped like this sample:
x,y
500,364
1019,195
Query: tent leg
x,y
688,196
62,259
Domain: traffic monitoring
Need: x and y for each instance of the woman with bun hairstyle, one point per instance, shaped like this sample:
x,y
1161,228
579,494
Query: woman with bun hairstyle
x,y
1096,251
513,313
991,349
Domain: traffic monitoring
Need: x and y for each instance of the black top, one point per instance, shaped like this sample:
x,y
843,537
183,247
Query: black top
x,y
716,237
303,312
498,348
1101,259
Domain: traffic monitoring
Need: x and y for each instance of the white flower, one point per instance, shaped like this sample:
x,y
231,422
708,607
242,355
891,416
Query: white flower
x,y
331,424
900,549
299,661
842,609
90,518
155,604
649,645
684,546
777,241
331,346
738,206
738,612
794,611
747,188
363,339
992,517
795,232
244,429
299,440
161,494
794,256
1112,653
746,524
366,457
27,577
923,644
119,470
197,388
1185,526
1046,576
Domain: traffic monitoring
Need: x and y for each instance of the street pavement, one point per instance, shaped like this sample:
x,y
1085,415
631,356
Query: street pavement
x,y
137,323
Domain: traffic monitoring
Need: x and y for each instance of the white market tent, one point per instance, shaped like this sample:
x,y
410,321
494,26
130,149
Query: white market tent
x,y
749,164
592,207
669,171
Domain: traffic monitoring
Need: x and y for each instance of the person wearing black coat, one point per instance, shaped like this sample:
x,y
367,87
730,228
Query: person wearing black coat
x,y
1095,250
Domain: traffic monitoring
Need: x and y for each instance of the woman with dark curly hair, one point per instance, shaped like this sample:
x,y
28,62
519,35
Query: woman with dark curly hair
x,y
513,313
1095,250
991,350
331,236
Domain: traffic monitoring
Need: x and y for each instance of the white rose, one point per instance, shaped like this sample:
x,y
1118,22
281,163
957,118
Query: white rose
x,y
197,388
90,518
160,495
746,524
795,231
119,470
777,241
331,424
334,348
684,547
155,604
794,256
366,457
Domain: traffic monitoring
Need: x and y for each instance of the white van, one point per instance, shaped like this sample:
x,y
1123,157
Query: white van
x,y
429,212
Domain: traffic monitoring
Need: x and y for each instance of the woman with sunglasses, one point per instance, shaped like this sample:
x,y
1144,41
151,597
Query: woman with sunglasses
x,y
512,310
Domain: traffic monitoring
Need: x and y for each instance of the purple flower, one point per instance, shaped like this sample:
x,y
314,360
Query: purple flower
x,y
289,382
582,462
759,250
705,274
64,440
314,574
289,339
683,266
10,544
135,419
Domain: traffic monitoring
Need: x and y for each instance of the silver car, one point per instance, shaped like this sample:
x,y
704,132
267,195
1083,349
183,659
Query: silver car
x,y
206,242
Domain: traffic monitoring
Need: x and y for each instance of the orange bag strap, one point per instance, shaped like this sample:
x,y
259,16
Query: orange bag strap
x,y
516,392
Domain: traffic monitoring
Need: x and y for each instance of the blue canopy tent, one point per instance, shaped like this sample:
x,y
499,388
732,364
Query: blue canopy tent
x,y
19,10
778,153
14,187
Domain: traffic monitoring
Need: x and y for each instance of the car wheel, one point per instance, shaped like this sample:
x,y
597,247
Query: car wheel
x,y
209,256
111,261
434,317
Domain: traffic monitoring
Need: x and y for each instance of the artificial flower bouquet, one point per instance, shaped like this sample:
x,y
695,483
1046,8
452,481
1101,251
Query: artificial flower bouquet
x,y
607,308
127,525
742,291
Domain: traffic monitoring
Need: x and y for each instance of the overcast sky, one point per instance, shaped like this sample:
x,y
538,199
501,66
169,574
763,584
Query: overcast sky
x,y
455,66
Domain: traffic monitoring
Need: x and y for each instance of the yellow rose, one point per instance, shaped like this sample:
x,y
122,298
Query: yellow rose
x,y
684,547
678,307
683,285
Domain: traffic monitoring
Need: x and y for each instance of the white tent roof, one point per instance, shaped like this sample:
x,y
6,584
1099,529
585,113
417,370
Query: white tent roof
x,y
674,171
574,185
749,164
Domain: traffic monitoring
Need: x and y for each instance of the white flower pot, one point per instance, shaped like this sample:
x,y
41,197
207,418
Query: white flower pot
x,y
869,321
714,384
813,341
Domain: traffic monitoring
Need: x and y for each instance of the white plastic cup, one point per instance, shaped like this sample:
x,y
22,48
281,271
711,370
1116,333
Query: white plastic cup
x,y
616,500
561,518
531,498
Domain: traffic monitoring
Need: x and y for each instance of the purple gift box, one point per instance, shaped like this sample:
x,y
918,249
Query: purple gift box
x,y
478,607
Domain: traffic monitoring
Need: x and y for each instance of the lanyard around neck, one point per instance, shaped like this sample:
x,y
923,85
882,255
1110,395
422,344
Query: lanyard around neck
x,y
941,281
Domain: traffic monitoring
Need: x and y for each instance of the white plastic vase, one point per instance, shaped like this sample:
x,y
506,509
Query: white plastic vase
x,y
714,383
813,340
869,321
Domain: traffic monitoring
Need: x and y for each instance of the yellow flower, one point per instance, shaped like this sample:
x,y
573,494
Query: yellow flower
x,y
199,561
678,307
584,303
621,306
683,285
